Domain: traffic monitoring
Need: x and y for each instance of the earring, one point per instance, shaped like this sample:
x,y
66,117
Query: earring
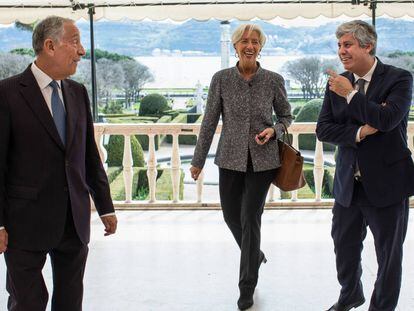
x,y
259,56
236,55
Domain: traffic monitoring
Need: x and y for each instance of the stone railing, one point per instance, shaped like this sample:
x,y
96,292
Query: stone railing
x,y
176,130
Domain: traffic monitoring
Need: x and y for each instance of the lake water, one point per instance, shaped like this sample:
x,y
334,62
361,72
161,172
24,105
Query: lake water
x,y
184,72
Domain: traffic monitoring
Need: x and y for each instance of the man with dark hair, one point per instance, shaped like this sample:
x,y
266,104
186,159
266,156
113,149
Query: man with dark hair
x,y
49,165
365,113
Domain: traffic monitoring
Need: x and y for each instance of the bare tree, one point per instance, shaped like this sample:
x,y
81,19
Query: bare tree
x,y
310,72
12,64
109,76
136,75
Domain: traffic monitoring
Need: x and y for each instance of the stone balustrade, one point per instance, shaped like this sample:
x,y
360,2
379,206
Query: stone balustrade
x,y
178,129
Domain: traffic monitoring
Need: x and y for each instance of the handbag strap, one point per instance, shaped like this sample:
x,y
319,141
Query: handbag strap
x,y
286,136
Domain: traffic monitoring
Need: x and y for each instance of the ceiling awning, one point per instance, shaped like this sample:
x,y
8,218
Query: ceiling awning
x,y
28,11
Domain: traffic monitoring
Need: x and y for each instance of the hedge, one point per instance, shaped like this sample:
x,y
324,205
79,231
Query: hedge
x,y
140,186
115,149
153,104
327,181
310,113
185,139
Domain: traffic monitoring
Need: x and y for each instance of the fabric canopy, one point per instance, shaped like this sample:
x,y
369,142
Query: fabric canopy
x,y
28,11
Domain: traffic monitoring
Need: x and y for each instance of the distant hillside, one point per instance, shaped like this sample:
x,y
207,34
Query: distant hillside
x,y
141,38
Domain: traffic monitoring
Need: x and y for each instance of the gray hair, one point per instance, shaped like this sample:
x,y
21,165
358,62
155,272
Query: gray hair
x,y
239,31
49,28
363,32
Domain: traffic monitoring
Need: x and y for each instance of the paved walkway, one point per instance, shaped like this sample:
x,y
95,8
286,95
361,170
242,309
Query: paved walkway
x,y
188,261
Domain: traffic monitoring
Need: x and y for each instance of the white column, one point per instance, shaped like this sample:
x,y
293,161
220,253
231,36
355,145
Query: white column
x,y
295,144
318,170
225,44
152,168
127,163
175,168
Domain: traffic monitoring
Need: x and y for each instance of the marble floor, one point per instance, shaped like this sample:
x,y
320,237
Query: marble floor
x,y
188,261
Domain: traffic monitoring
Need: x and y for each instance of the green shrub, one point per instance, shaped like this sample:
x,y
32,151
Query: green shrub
x,y
153,104
114,107
327,181
164,189
184,139
310,113
141,190
296,110
144,141
165,119
115,150
113,172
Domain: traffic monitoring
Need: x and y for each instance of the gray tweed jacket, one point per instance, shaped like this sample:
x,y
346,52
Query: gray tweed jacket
x,y
246,108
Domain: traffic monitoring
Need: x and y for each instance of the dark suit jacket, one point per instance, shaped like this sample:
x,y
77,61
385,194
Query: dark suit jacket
x,y
39,176
384,159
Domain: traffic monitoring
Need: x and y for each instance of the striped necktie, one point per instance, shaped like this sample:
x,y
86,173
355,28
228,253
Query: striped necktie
x,y
58,112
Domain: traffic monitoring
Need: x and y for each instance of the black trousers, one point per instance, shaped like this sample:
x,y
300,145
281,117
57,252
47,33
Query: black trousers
x,y
349,228
243,196
25,283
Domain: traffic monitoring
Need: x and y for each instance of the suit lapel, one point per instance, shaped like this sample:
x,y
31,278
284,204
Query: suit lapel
x,y
376,79
69,98
35,100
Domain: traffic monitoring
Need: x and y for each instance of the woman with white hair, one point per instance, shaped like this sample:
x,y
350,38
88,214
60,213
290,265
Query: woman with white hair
x,y
245,96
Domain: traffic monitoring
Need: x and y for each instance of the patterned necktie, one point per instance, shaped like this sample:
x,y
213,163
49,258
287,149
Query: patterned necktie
x,y
361,86
58,112
361,89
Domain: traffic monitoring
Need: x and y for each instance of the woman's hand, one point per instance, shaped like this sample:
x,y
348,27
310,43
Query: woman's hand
x,y
195,172
264,136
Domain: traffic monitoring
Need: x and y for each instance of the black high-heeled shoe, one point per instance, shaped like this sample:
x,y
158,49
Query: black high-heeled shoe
x,y
246,299
262,258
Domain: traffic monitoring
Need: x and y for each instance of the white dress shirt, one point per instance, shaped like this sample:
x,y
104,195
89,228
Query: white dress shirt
x,y
367,79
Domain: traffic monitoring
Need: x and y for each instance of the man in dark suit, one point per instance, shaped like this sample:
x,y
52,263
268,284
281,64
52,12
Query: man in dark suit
x,y
365,113
49,165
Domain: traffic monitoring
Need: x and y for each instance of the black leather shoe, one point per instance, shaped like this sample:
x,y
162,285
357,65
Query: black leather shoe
x,y
338,307
246,299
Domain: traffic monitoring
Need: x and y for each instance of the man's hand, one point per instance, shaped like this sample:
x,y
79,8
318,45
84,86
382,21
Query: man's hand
x,y
264,136
195,172
339,84
366,130
4,240
110,222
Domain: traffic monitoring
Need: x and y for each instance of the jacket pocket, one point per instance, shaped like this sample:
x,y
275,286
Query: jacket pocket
x,y
397,156
22,192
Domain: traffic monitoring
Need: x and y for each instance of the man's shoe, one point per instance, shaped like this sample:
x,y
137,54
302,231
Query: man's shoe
x,y
246,299
338,307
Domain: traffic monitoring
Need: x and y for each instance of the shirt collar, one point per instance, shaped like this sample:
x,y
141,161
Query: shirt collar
x,y
369,74
42,78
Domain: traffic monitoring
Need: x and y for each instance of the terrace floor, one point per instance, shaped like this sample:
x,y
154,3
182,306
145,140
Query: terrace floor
x,y
188,261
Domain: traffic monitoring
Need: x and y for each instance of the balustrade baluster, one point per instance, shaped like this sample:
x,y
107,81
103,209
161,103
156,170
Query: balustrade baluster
x,y
103,154
318,170
175,168
152,168
127,164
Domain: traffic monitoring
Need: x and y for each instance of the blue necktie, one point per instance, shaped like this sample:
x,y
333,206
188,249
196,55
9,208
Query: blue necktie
x,y
58,112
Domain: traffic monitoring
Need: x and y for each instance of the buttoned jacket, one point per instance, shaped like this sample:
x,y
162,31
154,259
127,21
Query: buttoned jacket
x,y
246,109
384,159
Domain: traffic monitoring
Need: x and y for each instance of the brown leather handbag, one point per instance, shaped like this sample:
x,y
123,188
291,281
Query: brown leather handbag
x,y
289,176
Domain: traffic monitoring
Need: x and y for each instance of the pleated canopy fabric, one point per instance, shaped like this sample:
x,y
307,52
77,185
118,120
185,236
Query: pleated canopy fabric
x,y
28,11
